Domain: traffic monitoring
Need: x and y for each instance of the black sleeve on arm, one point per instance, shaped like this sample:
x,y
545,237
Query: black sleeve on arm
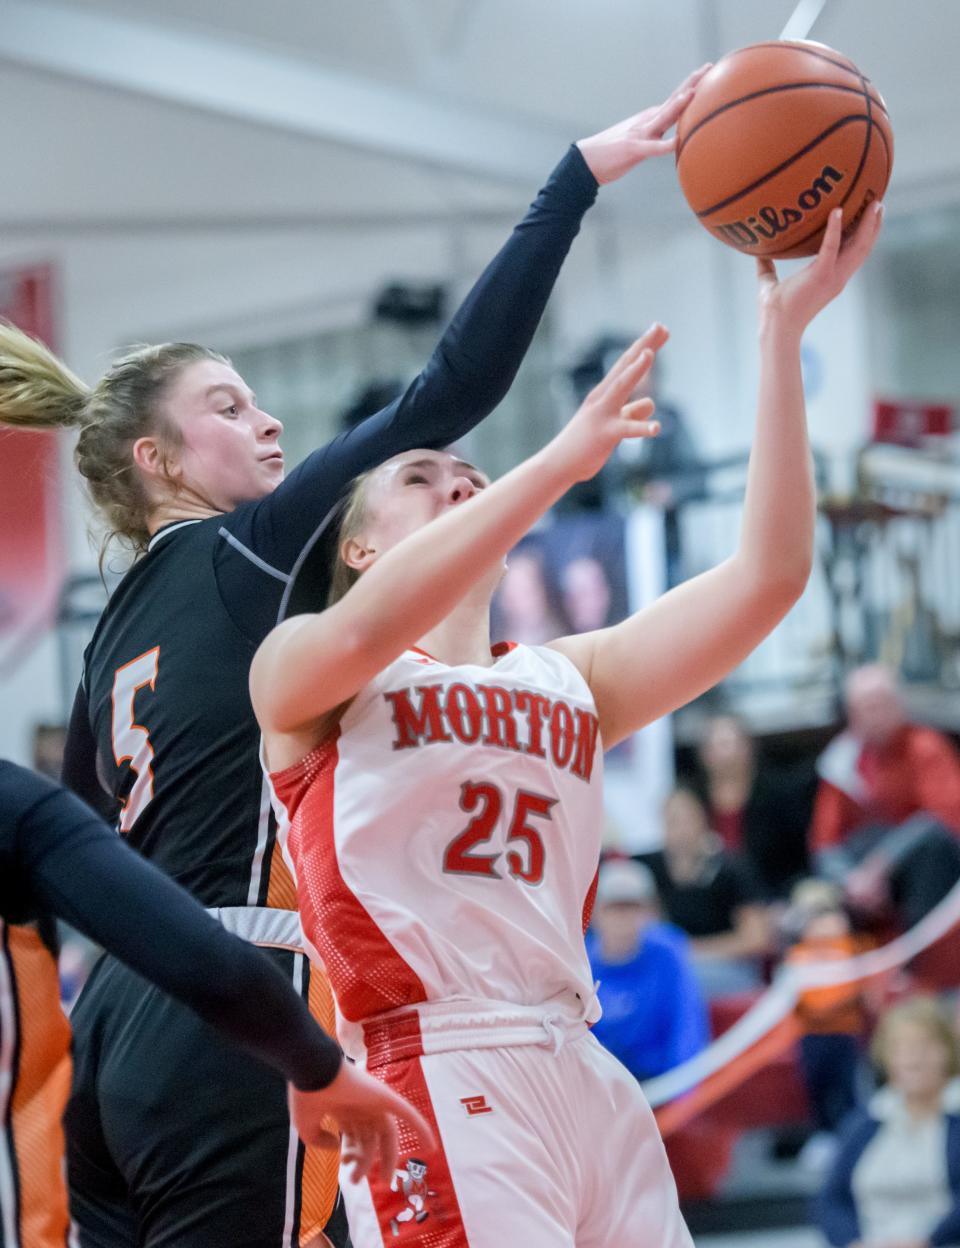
x,y
470,371
79,771
83,873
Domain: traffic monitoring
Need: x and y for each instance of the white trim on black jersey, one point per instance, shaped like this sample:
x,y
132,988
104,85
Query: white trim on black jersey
x,y
170,528
263,836
289,1238
252,556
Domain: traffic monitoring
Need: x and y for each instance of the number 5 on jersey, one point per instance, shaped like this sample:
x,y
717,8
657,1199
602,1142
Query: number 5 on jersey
x,y
131,741
526,863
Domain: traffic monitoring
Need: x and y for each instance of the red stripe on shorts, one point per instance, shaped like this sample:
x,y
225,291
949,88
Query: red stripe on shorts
x,y
443,1226
366,972
392,1039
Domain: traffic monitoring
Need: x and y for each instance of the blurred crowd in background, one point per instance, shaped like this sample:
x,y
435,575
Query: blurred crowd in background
x,y
766,864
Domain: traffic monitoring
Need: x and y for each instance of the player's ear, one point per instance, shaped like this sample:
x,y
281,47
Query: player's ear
x,y
151,458
356,554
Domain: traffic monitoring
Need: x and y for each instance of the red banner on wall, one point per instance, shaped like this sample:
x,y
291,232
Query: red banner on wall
x,y
32,555
907,422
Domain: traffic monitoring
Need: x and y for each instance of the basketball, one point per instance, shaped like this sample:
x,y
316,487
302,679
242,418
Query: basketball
x,y
775,137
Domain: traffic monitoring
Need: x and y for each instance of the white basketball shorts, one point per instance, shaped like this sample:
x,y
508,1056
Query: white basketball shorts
x,y
544,1140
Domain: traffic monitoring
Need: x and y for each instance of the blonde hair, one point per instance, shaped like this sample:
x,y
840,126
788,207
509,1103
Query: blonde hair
x,y
342,576
924,1012
38,391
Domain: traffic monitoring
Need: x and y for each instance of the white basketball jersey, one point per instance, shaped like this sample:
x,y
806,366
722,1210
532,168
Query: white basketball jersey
x,y
445,837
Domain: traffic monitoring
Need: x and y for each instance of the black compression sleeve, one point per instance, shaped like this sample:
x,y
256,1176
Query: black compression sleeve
x,y
79,870
468,374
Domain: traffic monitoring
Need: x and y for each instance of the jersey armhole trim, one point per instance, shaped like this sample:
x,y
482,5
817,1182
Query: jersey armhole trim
x,y
253,557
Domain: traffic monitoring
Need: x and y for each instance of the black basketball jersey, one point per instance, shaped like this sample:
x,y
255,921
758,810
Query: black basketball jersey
x,y
166,681
163,720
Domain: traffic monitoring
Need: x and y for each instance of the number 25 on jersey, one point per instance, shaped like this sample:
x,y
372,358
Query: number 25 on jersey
x,y
524,852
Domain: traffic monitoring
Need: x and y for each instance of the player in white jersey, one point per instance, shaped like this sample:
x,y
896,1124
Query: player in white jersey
x,y
442,804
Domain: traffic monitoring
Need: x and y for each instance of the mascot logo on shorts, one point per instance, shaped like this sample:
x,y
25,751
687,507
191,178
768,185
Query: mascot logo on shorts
x,y
412,1182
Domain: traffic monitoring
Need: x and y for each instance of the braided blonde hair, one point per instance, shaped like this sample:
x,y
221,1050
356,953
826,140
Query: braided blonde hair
x,y
38,391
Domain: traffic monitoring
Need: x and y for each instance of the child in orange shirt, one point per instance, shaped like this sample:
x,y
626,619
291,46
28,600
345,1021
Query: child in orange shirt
x,y
833,1017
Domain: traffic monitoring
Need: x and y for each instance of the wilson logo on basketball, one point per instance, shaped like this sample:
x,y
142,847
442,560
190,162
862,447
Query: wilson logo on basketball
x,y
769,222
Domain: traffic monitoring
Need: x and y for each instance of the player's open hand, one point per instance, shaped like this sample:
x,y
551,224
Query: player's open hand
x,y
608,415
799,298
365,1112
612,152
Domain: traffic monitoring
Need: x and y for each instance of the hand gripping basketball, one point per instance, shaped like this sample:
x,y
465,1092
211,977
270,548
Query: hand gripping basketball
x,y
614,151
797,300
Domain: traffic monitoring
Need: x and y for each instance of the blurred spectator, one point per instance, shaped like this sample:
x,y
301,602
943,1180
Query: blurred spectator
x,y
667,468
524,610
668,465
669,471
712,896
758,810
833,1017
895,1180
48,742
887,813
586,593
654,1016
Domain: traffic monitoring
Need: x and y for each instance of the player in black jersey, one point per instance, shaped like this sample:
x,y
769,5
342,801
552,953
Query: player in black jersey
x,y
165,1148
58,859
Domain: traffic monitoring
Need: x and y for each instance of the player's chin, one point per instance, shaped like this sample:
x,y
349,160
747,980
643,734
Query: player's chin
x,y
272,471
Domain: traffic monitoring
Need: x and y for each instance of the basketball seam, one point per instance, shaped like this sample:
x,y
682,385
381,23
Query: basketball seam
x,y
754,95
849,67
871,125
886,150
731,199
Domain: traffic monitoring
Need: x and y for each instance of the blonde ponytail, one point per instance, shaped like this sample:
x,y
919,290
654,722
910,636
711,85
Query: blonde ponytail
x,y
36,390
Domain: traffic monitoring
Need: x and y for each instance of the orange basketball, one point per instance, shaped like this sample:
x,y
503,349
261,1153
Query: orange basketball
x,y
777,135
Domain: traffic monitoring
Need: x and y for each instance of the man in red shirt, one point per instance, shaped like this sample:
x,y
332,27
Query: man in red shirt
x,y
887,815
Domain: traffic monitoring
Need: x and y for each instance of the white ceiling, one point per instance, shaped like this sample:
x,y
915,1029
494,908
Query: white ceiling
x,y
126,115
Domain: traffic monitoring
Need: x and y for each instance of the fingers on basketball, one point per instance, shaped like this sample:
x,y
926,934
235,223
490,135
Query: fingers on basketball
x,y
855,249
832,237
656,147
689,84
693,78
668,113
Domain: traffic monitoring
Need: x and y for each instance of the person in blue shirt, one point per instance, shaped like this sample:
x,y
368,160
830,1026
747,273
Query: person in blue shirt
x,y
654,1015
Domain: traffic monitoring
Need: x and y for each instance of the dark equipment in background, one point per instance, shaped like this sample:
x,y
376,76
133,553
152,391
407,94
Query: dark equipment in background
x,y
371,398
405,304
